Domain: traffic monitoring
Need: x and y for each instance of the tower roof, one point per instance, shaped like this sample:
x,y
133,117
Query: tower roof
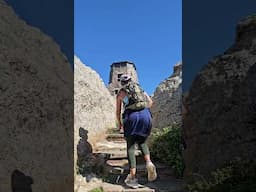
x,y
115,64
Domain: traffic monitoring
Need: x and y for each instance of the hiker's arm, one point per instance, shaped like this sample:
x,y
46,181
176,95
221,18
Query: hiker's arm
x,y
119,98
150,102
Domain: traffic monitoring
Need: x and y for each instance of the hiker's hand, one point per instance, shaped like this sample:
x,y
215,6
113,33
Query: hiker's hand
x,y
121,129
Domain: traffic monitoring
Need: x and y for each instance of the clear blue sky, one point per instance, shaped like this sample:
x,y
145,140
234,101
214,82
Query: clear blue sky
x,y
146,32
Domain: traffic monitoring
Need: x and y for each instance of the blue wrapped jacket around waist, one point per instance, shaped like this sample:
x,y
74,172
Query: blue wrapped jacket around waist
x,y
137,122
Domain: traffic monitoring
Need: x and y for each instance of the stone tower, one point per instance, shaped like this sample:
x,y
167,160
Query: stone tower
x,y
117,69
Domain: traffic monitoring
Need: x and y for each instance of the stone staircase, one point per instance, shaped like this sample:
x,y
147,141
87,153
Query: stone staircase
x,y
117,167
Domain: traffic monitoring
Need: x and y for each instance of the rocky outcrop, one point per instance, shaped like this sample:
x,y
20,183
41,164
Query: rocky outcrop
x,y
94,106
220,123
36,108
94,114
166,109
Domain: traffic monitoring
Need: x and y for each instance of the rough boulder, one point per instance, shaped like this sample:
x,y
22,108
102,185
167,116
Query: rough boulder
x,y
166,109
219,125
36,107
94,106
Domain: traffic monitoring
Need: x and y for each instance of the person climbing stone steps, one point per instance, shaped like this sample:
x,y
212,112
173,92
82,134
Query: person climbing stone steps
x,y
136,123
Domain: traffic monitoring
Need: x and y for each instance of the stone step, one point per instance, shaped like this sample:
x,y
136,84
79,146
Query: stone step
x,y
119,181
120,167
117,155
113,130
144,189
108,146
142,167
113,152
119,188
117,137
166,184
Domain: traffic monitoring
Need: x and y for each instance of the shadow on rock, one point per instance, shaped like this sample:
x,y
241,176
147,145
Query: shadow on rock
x,y
89,164
20,182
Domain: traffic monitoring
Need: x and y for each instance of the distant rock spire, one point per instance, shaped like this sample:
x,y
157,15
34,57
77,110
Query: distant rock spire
x,y
166,109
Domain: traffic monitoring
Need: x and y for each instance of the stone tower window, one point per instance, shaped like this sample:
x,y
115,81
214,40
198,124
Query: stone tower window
x,y
118,76
116,91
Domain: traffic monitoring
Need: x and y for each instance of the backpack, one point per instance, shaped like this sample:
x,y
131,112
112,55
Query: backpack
x,y
136,96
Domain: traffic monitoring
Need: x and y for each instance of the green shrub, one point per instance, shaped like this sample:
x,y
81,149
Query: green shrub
x,y
237,176
165,146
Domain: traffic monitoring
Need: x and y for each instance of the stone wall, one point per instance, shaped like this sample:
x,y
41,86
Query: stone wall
x,y
166,109
36,108
220,123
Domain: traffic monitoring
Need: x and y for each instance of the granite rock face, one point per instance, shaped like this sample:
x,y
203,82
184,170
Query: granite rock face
x,y
220,123
36,108
166,109
94,106
94,113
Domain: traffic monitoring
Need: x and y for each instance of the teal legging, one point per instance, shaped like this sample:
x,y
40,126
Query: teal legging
x,y
131,141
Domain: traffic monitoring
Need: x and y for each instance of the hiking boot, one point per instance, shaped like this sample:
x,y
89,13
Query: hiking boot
x,y
131,182
152,175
